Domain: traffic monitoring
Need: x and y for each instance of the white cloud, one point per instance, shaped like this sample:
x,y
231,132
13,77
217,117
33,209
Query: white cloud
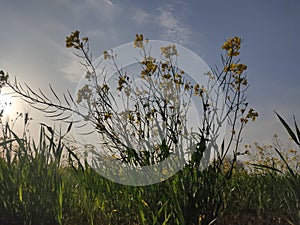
x,y
110,2
72,70
140,16
174,29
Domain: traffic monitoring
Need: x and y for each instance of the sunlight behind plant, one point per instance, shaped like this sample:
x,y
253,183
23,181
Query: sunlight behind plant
x,y
6,104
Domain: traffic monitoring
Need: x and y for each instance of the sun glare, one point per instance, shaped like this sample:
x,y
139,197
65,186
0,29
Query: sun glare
x,y
5,104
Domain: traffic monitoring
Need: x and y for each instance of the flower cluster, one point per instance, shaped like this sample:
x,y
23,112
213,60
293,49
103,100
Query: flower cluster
x,y
74,41
232,46
235,68
150,66
106,55
169,51
122,80
105,88
250,115
199,90
264,155
138,41
238,80
157,105
85,93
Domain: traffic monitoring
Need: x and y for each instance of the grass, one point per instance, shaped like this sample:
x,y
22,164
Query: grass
x,y
44,183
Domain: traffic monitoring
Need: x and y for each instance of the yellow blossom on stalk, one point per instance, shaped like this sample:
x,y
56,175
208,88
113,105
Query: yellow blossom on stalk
x,y
245,82
85,39
107,116
244,120
235,68
178,81
85,93
138,118
73,40
232,46
230,67
169,51
106,55
252,114
130,117
164,66
203,89
121,81
210,75
166,76
105,87
187,86
199,90
240,68
150,66
138,41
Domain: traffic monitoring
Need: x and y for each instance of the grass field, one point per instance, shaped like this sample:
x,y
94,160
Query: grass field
x,y
44,183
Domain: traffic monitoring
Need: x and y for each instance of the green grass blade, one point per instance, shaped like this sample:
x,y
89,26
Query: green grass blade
x,y
289,130
4,143
285,162
297,129
259,166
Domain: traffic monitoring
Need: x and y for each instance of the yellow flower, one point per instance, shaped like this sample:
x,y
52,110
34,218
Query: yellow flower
x,y
187,86
166,76
106,55
292,151
232,46
73,40
107,116
196,89
105,87
85,39
138,42
169,51
121,81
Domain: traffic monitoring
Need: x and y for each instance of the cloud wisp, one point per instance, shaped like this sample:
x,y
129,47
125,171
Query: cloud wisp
x,y
174,28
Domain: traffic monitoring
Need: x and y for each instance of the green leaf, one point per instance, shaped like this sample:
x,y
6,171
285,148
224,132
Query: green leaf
x,y
289,130
4,143
69,127
285,162
20,193
259,166
297,129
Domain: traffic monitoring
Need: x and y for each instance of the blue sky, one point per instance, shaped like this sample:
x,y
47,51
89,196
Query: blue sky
x,y
33,34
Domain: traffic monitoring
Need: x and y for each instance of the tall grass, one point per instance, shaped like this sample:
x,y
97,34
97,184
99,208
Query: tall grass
x,y
31,181
291,177
44,182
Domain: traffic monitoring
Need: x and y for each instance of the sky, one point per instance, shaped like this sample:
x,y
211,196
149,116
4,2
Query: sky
x,y
32,43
